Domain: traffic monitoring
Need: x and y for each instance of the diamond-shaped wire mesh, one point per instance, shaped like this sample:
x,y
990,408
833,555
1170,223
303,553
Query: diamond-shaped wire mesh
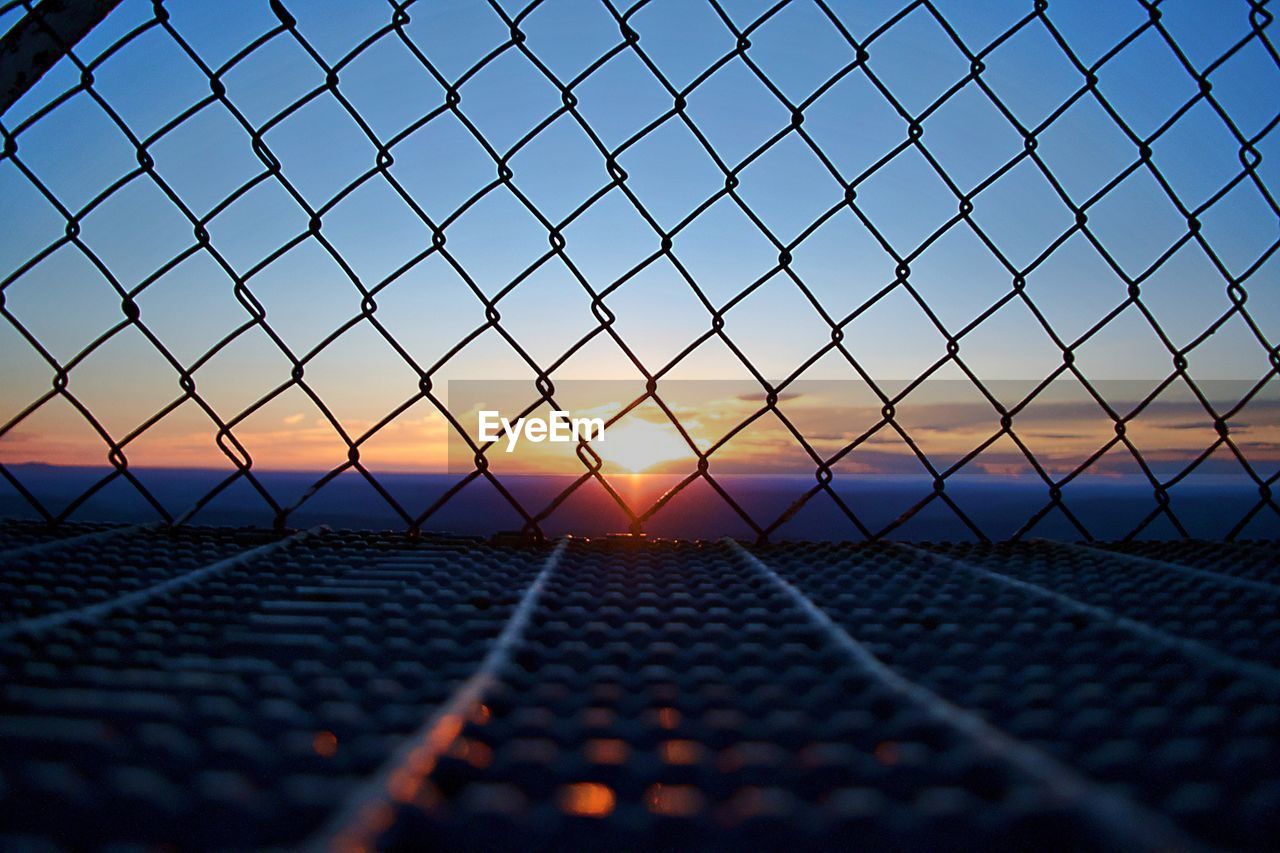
x,y
902,78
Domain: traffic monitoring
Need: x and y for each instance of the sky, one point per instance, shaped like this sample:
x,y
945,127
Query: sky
x,y
76,151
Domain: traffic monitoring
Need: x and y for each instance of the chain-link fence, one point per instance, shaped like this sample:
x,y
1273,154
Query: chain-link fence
x,y
1186,82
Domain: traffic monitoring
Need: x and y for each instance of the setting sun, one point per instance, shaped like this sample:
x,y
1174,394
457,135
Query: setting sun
x,y
638,445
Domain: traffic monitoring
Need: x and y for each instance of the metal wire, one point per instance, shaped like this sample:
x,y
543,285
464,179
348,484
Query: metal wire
x,y
615,179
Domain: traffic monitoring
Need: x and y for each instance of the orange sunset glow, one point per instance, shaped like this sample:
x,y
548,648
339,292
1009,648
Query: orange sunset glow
x,y
291,434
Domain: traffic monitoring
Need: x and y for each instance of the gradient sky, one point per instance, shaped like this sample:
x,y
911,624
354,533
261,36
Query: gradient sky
x,y
76,151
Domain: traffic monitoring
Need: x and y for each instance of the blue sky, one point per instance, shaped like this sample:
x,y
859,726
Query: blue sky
x,y
76,151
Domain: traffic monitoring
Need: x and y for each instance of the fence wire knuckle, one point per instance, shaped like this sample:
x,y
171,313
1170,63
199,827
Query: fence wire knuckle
x,y
48,32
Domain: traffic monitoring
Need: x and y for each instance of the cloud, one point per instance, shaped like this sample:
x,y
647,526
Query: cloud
x,y
1207,423
829,436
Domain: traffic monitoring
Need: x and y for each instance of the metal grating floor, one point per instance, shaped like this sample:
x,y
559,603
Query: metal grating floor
x,y
218,688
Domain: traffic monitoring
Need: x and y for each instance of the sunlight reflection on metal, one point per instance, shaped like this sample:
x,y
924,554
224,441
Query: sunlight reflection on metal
x,y
682,752
325,744
587,799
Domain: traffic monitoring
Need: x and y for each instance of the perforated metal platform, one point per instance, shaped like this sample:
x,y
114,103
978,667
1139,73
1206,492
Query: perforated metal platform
x,y
216,688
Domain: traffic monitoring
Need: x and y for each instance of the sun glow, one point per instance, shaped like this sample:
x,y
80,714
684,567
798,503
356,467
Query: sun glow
x,y
637,445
